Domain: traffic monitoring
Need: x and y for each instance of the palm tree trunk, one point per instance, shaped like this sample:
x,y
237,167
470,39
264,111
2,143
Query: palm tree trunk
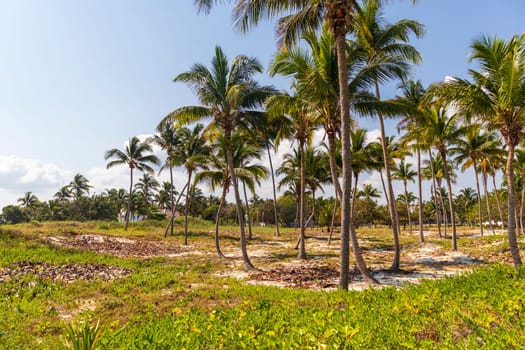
x,y
276,215
171,197
487,203
332,224
408,209
333,165
229,156
511,226
434,188
129,198
384,187
217,220
302,246
391,197
312,214
170,223
347,234
187,208
479,199
335,179
522,202
420,196
496,194
450,200
250,234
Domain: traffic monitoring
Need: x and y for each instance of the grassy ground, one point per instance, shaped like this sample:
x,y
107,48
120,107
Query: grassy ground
x,y
187,299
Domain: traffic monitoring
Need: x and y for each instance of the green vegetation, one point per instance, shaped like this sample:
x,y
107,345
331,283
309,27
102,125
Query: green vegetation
x,y
183,302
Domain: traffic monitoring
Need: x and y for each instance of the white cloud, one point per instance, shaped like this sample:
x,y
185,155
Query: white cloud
x,y
19,175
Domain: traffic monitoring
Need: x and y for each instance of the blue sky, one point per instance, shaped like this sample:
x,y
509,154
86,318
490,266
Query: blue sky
x,y
80,77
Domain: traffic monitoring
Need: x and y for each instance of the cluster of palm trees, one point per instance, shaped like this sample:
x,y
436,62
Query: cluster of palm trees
x,y
349,50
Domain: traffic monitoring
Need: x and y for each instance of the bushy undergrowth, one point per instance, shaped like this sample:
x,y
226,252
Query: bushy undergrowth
x,y
180,303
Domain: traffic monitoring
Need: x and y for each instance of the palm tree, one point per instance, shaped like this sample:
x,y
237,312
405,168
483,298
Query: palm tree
x,y
497,95
412,97
303,123
386,46
191,152
466,199
368,192
166,138
362,156
135,157
147,186
217,172
79,186
229,95
439,130
471,148
63,194
300,17
404,173
29,202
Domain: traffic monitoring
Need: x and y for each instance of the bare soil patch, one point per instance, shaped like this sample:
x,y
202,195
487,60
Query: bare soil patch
x,y
66,273
118,246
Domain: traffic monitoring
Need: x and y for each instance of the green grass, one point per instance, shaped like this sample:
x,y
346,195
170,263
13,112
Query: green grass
x,y
173,303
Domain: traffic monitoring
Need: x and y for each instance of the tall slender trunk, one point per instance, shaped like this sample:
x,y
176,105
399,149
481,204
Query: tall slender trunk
x,y
408,208
229,156
354,192
450,200
496,194
332,223
385,192
434,187
335,178
172,199
276,215
511,226
128,212
487,203
170,223
187,208
420,195
333,164
250,234
347,233
522,202
391,197
302,246
479,198
218,218
312,214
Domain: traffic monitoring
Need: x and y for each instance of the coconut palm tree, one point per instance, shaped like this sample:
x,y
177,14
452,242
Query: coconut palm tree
x,y
147,185
471,148
63,194
412,96
29,202
466,199
135,156
303,123
191,152
403,172
439,130
496,93
368,192
229,95
362,156
166,138
217,172
386,46
79,186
